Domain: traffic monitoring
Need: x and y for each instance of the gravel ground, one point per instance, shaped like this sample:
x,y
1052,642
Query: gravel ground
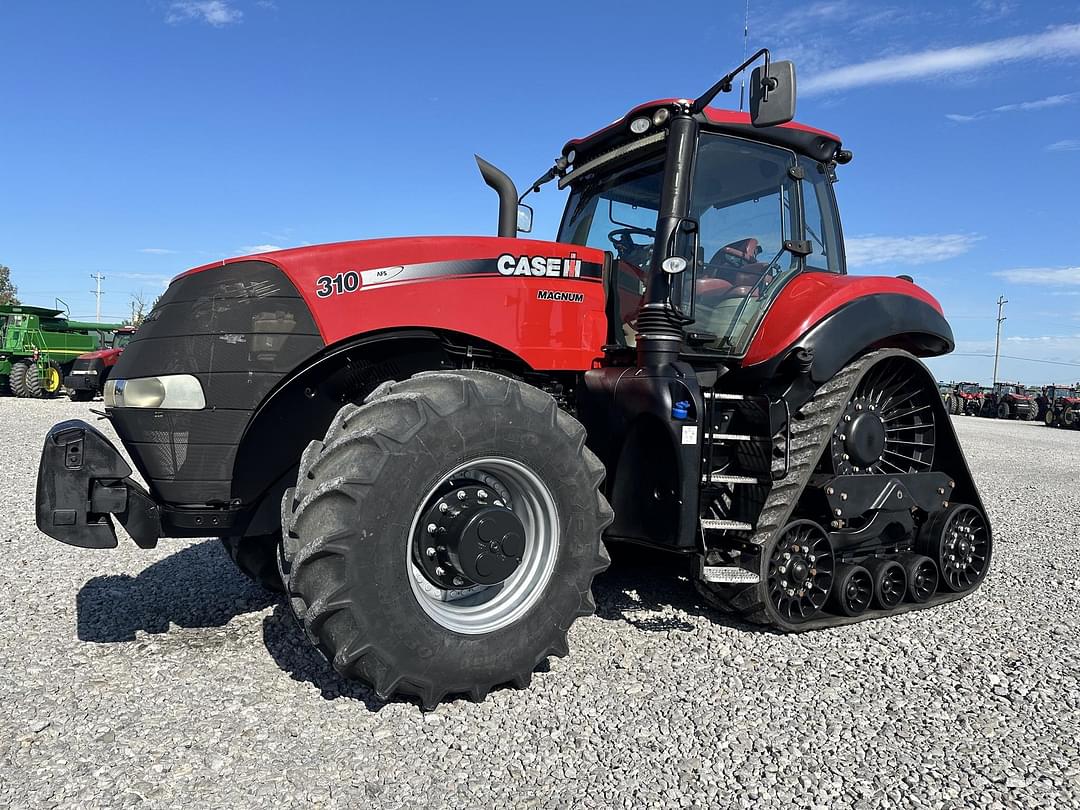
x,y
163,678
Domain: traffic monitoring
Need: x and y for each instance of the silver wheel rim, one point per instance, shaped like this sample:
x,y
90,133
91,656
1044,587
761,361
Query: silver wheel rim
x,y
485,609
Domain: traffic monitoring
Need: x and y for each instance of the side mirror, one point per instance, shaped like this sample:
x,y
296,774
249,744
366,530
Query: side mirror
x,y
524,218
772,96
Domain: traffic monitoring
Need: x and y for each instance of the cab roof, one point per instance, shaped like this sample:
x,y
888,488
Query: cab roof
x,y
814,143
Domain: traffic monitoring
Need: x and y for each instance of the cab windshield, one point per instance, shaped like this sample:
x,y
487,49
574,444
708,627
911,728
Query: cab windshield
x,y
747,203
121,339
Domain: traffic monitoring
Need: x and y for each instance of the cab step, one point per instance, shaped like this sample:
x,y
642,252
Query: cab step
x,y
726,574
724,478
715,525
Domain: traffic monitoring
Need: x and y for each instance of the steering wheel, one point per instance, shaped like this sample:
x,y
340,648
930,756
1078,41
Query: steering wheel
x,y
626,249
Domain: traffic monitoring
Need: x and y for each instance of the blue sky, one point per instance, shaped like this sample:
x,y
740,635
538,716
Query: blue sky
x,y
140,138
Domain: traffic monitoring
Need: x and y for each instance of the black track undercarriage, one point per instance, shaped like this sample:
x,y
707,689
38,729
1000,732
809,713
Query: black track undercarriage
x,y
857,505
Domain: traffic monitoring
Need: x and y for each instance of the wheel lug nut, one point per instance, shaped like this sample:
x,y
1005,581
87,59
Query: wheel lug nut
x,y
459,581
440,571
432,528
460,495
429,551
481,493
444,507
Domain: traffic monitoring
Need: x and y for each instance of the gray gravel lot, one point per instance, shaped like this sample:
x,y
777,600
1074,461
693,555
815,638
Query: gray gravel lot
x,y
163,678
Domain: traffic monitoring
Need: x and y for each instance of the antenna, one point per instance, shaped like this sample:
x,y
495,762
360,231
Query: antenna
x,y
99,278
745,38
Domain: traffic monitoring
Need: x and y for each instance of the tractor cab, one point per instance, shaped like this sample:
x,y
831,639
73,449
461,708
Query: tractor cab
x,y
757,213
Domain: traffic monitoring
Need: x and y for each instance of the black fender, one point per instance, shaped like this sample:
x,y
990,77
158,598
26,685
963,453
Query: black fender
x,y
304,403
884,320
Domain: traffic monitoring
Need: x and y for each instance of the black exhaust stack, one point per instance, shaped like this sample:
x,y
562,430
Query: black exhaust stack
x,y
508,196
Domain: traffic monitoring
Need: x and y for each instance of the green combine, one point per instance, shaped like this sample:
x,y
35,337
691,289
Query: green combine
x,y
38,347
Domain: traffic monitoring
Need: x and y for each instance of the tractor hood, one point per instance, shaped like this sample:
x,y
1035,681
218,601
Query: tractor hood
x,y
470,285
245,326
101,354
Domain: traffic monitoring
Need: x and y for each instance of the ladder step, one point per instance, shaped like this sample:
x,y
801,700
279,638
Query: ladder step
x,y
736,437
721,573
725,397
723,478
710,524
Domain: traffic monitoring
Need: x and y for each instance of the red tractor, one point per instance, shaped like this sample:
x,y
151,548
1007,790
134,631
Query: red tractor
x,y
1009,401
89,372
965,398
1059,406
426,441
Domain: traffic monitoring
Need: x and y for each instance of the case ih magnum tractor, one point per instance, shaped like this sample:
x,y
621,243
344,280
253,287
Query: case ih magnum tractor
x,y
90,371
965,399
1009,401
431,438
1059,406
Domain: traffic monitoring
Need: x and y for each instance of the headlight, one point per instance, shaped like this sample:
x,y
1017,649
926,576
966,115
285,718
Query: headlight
x,y
175,391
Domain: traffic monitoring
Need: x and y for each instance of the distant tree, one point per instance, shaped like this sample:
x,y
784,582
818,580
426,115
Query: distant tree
x,y
8,293
140,309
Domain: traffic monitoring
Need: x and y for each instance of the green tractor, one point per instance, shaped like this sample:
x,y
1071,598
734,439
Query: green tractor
x,y
38,347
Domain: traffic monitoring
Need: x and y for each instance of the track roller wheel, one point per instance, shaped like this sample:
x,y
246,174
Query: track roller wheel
x,y
890,582
958,540
852,590
800,572
922,577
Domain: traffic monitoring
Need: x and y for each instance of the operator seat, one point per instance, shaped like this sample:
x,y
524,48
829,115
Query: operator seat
x,y
735,272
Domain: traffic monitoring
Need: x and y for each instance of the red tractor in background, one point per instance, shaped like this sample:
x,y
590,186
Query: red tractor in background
x,y
1009,401
426,442
965,399
89,372
1059,406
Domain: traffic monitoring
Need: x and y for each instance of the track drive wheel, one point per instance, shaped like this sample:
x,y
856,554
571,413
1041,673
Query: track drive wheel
x,y
958,540
890,582
444,535
852,590
17,380
256,557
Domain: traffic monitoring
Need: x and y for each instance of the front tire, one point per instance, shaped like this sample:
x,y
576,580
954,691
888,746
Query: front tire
x,y
363,556
43,383
17,380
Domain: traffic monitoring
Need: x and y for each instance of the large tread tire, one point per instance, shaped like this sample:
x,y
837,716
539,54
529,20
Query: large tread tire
x,y
17,380
35,381
257,558
344,554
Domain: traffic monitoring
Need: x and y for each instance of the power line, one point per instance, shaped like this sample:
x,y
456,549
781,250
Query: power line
x,y
1014,357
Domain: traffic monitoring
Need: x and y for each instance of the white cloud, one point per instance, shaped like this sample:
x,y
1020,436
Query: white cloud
x,y
944,63
1022,106
867,251
157,278
156,251
213,12
1067,145
1045,276
248,249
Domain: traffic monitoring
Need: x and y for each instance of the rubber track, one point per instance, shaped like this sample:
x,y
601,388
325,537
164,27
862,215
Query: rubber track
x,y
811,427
381,433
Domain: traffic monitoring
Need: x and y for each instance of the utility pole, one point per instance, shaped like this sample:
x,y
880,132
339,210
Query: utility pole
x,y
1001,302
98,277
